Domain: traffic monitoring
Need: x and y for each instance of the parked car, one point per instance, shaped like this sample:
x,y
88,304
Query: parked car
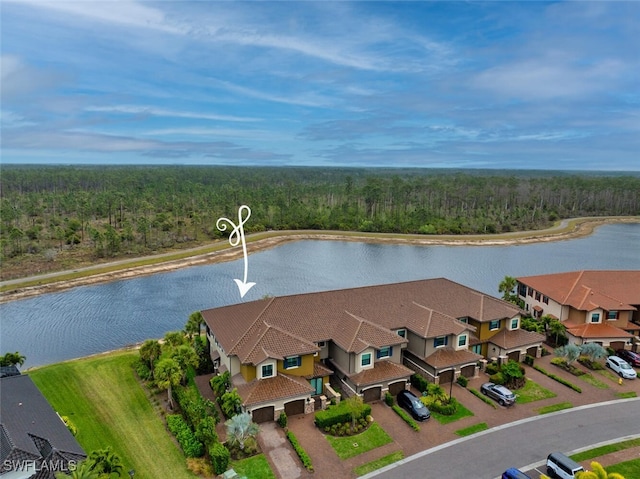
x,y
513,473
559,465
621,367
412,403
498,392
629,356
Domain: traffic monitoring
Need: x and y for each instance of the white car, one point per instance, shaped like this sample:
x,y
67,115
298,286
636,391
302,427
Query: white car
x,y
622,367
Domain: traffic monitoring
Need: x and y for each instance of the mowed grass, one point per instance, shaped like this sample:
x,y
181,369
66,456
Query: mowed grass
x,y
459,414
532,391
104,400
350,446
256,467
378,464
467,431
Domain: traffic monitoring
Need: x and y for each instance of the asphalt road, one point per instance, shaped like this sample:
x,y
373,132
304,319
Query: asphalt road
x,y
522,444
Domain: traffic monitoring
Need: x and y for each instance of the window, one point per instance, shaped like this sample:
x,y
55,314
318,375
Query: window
x,y
267,371
545,299
402,333
477,348
440,341
464,320
612,315
529,291
595,318
538,296
462,340
365,359
514,323
321,344
522,289
385,352
292,362
493,325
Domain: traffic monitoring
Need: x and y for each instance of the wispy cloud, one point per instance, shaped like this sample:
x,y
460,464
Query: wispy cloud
x,y
155,111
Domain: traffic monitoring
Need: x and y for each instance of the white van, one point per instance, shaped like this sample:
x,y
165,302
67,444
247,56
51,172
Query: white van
x,y
559,465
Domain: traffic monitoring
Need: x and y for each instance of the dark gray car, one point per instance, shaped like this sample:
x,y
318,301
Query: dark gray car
x,y
498,392
412,403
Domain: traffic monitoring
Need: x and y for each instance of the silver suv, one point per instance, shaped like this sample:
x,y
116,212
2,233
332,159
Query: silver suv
x,y
501,394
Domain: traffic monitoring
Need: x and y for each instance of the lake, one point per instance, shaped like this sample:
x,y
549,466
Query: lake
x,y
92,319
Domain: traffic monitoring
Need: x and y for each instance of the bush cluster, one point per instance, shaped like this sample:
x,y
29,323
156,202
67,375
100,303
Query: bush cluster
x,y
559,379
405,417
282,420
388,398
447,406
419,382
462,381
194,407
185,436
142,370
302,454
347,428
220,457
477,393
562,363
338,414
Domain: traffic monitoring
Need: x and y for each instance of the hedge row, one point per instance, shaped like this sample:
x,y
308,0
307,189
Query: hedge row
x,y
405,417
338,414
194,407
446,406
302,454
559,379
477,393
185,436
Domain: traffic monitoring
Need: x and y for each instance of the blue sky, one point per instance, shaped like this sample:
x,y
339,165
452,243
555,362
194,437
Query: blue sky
x,y
526,85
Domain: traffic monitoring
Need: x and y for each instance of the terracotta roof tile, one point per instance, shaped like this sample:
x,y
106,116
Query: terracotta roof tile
x,y
587,290
382,371
449,357
597,330
282,386
319,370
517,338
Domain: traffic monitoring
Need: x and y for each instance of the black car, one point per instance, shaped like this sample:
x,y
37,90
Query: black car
x,y
412,403
629,356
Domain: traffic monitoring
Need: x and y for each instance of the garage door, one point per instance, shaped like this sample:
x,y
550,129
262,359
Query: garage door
x,y
468,371
532,351
446,376
395,388
294,407
617,345
372,394
514,356
263,414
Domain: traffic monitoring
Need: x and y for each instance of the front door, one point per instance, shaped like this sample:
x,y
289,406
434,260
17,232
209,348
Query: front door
x,y
316,384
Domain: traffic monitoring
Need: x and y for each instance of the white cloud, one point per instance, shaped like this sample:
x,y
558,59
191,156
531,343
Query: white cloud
x,y
155,111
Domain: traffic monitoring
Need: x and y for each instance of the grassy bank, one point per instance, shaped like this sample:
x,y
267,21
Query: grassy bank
x,y
105,401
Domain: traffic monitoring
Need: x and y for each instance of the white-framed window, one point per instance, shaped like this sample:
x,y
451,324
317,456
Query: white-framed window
x,y
292,362
462,340
365,359
267,370
493,325
402,333
385,352
440,341
515,322
595,317
612,315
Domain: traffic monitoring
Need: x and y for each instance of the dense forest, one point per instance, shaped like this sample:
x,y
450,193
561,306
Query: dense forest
x,y
50,213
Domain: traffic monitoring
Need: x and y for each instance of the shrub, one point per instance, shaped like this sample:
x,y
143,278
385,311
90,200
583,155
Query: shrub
x,y
220,384
388,398
442,405
559,379
419,382
405,417
338,414
193,406
142,370
206,431
282,420
497,378
70,425
492,368
462,381
220,457
529,360
185,436
478,394
302,454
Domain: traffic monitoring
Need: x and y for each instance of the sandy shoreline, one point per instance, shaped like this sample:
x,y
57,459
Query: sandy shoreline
x,y
567,229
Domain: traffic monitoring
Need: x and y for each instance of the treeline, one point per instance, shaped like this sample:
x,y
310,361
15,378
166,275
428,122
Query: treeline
x,y
111,210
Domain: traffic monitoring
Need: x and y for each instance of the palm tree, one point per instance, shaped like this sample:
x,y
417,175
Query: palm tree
x,y
150,352
82,471
186,357
507,287
594,351
240,428
192,328
168,374
12,359
557,329
105,461
569,352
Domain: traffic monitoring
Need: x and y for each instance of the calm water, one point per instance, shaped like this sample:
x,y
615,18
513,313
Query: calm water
x,y
92,319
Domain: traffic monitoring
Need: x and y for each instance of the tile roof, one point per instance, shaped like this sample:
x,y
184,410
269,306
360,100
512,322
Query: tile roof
x,y
282,386
30,428
353,318
597,330
449,357
588,290
382,371
516,338
319,371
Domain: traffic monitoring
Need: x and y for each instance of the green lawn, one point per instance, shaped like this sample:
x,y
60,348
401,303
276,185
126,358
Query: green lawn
x,y
460,413
104,400
628,469
350,446
378,464
603,450
555,407
532,391
256,467
467,431
591,379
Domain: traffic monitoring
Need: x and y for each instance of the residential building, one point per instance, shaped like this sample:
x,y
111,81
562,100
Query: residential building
x,y
283,353
594,306
34,441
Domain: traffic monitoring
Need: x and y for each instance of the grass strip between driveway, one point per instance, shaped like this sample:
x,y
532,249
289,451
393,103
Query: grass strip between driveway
x,y
603,450
555,407
350,446
467,431
103,398
256,467
378,463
